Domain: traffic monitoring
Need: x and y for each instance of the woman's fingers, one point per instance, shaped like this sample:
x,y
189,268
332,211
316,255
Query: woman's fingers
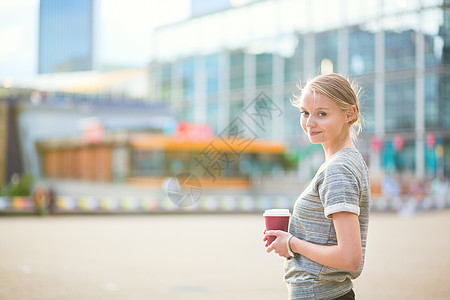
x,y
272,232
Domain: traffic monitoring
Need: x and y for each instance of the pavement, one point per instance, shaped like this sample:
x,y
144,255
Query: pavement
x,y
198,256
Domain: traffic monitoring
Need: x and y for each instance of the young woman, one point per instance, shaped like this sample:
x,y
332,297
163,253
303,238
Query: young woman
x,y
326,242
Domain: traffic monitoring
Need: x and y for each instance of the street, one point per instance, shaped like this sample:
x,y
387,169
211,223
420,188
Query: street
x,y
202,257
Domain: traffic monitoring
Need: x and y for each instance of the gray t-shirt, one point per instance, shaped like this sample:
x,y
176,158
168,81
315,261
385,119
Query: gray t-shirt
x,y
340,184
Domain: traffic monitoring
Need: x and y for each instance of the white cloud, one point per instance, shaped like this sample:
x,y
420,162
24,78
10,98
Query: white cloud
x,y
15,3
18,33
10,41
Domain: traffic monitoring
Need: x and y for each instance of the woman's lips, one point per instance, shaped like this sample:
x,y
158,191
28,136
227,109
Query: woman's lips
x,y
313,133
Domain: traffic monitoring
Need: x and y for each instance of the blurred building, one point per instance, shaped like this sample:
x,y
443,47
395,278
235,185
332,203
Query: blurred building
x,y
211,66
68,58
30,116
90,118
148,159
66,36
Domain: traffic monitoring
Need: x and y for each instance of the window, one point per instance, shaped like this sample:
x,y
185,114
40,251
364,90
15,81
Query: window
x,y
400,50
188,87
212,114
361,51
436,36
263,69
400,46
291,117
188,80
236,106
293,66
212,74
236,70
437,101
166,82
147,163
398,96
326,51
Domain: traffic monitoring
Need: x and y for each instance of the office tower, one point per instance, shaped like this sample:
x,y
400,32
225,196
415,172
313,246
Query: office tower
x,y
397,50
66,36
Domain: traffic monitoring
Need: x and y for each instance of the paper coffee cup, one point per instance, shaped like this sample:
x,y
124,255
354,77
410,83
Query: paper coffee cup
x,y
276,219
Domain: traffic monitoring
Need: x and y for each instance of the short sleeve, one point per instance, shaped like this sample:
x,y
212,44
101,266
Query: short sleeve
x,y
339,190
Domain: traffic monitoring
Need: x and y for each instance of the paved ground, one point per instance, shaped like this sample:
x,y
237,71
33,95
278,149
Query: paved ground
x,y
202,257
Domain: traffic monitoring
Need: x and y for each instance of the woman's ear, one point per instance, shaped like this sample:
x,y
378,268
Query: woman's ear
x,y
351,113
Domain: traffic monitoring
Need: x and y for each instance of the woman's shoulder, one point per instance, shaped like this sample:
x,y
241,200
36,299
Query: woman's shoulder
x,y
346,160
347,156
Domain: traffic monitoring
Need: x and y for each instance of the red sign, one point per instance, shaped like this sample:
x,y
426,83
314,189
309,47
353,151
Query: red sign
x,y
188,131
94,132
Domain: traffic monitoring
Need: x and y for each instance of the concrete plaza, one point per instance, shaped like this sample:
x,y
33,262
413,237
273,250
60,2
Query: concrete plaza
x,y
202,257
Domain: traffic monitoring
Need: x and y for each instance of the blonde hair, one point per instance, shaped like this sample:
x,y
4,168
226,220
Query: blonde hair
x,y
338,89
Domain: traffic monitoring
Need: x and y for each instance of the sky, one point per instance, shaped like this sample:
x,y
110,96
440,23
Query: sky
x,y
124,33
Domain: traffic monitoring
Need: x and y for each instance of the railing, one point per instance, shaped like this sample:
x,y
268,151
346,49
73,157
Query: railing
x,y
406,205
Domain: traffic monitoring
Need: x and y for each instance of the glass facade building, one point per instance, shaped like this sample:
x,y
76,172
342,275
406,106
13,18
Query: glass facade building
x,y
398,51
66,36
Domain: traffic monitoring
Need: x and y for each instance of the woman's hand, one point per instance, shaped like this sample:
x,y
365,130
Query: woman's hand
x,y
279,245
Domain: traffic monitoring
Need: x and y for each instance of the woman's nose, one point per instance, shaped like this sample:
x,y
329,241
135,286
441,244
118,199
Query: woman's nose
x,y
310,122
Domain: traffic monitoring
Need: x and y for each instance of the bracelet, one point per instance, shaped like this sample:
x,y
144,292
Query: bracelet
x,y
291,254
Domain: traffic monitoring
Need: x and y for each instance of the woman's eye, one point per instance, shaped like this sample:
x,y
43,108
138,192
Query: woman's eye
x,y
304,113
322,114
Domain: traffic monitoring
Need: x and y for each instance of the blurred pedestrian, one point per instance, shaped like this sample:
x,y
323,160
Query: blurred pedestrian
x,y
40,199
51,201
325,245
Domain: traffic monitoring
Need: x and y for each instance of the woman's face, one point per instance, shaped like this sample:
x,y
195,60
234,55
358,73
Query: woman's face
x,y
322,120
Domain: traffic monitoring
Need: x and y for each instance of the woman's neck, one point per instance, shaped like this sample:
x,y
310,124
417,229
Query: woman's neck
x,y
332,148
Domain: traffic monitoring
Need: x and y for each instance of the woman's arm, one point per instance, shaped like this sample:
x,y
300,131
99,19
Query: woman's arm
x,y
347,254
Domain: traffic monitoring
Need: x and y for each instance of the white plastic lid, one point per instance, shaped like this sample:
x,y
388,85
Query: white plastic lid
x,y
276,212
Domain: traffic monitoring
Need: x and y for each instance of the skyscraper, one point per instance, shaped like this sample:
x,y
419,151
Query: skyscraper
x,y
66,36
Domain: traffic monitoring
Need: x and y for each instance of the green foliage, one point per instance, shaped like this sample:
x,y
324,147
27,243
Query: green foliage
x,y
18,186
292,156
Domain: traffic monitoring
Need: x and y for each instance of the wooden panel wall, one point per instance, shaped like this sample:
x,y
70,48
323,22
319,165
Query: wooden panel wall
x,y
93,163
